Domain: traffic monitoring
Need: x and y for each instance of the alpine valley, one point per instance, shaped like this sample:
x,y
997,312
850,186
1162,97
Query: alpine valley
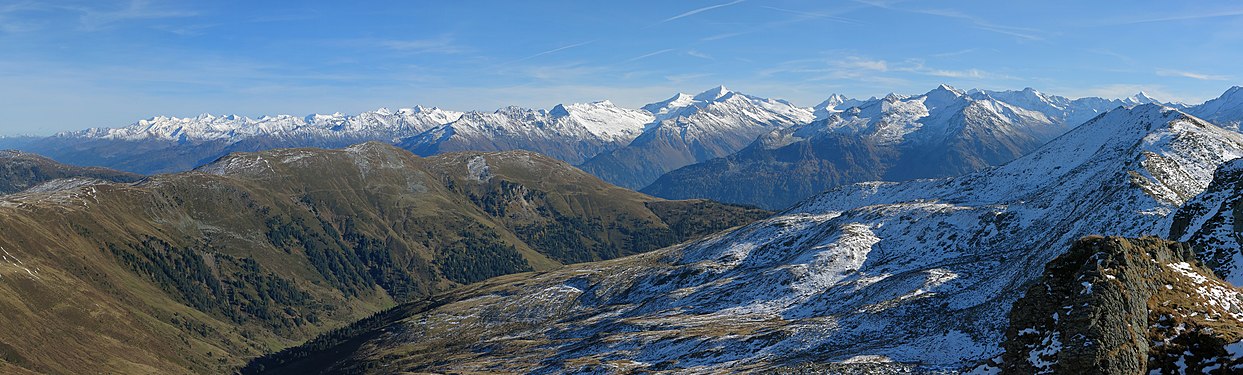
x,y
197,272
955,231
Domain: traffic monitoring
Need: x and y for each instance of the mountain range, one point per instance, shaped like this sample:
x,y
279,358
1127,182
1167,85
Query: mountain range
x,y
924,271
635,147
945,132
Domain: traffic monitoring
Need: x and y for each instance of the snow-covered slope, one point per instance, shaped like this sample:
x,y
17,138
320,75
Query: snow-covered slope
x,y
922,271
572,133
689,129
1225,111
875,258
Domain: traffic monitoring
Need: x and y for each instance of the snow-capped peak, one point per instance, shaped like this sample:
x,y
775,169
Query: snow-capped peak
x,y
678,100
712,94
1139,98
941,96
558,111
834,104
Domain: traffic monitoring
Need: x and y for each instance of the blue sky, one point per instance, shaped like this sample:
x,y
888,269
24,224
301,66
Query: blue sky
x,y
70,65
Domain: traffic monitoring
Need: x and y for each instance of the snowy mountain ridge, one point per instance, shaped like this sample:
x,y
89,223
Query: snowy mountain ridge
x,y
719,109
599,119
379,123
690,129
572,132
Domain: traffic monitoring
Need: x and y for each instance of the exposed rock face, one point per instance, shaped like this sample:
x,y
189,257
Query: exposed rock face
x,y
1114,305
1211,224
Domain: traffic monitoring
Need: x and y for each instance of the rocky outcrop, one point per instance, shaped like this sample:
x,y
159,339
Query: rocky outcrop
x,y
1115,305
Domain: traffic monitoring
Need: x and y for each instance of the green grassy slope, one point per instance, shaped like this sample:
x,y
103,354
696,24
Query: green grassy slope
x,y
199,271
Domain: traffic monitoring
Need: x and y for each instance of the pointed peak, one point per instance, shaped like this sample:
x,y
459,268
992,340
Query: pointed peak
x,y
712,93
1233,95
559,110
834,99
943,89
677,100
1140,98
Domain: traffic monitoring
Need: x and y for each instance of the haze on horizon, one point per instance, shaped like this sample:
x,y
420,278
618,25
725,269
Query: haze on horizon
x,y
76,64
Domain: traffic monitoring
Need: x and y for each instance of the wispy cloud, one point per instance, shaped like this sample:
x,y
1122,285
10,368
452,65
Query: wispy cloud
x,y
724,35
12,18
185,30
953,53
800,16
811,14
695,53
976,22
917,66
560,72
1179,17
29,16
863,63
1104,52
701,10
96,19
1192,75
863,69
444,44
682,78
554,50
969,73
647,55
